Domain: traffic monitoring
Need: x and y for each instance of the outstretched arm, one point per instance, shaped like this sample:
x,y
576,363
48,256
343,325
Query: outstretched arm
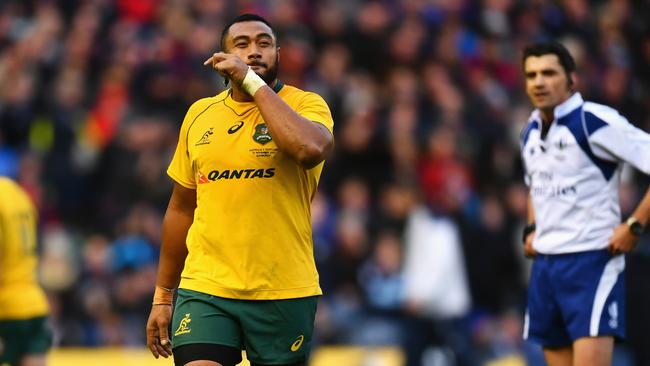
x,y
177,221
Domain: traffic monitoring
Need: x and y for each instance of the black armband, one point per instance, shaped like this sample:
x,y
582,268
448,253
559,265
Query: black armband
x,y
529,228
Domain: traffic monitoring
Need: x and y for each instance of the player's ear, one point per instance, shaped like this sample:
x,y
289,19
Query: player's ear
x,y
571,80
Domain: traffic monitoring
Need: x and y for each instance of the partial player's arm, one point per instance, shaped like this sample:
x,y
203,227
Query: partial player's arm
x,y
529,230
624,239
173,251
308,142
619,140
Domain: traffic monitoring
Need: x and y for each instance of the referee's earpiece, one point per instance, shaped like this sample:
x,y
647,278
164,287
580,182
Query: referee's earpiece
x,y
571,80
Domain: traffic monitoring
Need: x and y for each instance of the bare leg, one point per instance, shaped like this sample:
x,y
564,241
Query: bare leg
x,y
203,363
562,356
593,351
33,360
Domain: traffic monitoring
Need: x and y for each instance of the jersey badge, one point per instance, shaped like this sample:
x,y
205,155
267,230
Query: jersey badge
x,y
205,139
183,326
262,135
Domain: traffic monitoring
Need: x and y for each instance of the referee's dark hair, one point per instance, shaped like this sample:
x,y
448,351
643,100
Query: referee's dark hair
x,y
554,48
246,17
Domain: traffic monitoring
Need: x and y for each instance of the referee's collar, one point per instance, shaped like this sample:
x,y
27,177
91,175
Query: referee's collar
x,y
568,106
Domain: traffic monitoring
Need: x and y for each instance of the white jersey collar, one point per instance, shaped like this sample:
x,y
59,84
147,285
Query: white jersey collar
x,y
568,105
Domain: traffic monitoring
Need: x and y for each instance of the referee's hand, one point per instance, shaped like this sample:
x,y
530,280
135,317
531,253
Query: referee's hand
x,y
157,337
622,241
529,252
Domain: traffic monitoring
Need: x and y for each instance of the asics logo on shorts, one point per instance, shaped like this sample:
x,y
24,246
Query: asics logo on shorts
x,y
182,327
613,315
297,343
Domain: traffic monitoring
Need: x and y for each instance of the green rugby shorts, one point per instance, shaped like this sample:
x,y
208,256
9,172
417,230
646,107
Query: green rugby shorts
x,y
271,331
23,337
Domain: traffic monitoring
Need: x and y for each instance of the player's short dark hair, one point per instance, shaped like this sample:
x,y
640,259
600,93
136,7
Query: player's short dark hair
x,y
552,48
246,17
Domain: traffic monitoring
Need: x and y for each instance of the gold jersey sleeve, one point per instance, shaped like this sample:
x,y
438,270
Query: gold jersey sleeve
x,y
251,236
21,297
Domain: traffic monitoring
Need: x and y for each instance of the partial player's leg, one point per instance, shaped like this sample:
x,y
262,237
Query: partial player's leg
x,y
204,354
543,323
204,333
561,356
203,363
33,360
593,302
278,332
593,351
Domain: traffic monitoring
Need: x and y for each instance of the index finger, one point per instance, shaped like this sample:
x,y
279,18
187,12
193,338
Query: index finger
x,y
216,57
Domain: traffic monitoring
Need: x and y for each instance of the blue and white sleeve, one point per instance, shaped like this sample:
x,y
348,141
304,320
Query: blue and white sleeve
x,y
618,140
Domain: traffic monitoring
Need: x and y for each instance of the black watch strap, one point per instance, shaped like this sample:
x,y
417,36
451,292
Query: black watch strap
x,y
635,226
529,228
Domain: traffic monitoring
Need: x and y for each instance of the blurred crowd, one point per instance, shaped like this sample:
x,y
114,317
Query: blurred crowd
x,y
418,217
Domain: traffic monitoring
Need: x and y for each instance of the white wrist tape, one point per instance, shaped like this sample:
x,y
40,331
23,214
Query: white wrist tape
x,y
252,82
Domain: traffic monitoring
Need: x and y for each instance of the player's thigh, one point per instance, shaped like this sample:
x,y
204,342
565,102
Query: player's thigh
x,y
39,360
279,332
39,338
560,356
544,323
591,292
206,354
200,319
593,351
20,338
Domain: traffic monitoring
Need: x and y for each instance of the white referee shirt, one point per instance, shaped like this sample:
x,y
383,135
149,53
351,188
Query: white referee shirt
x,y
574,173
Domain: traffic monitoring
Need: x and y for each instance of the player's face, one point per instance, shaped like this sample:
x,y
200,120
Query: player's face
x,y
547,85
254,43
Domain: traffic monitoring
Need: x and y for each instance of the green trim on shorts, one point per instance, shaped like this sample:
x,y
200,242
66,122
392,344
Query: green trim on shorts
x,y
271,331
23,337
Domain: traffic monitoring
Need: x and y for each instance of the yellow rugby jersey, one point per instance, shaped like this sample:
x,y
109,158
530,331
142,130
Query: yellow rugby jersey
x,y
251,237
20,295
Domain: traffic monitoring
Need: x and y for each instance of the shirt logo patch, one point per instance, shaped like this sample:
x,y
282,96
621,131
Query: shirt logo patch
x,y
205,139
202,178
613,315
262,135
295,346
182,327
234,128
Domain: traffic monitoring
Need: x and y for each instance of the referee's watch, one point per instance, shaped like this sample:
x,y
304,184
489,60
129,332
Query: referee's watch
x,y
529,228
635,226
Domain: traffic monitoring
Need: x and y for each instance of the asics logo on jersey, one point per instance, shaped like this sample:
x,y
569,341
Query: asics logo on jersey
x,y
295,346
240,174
234,128
262,135
183,326
205,139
